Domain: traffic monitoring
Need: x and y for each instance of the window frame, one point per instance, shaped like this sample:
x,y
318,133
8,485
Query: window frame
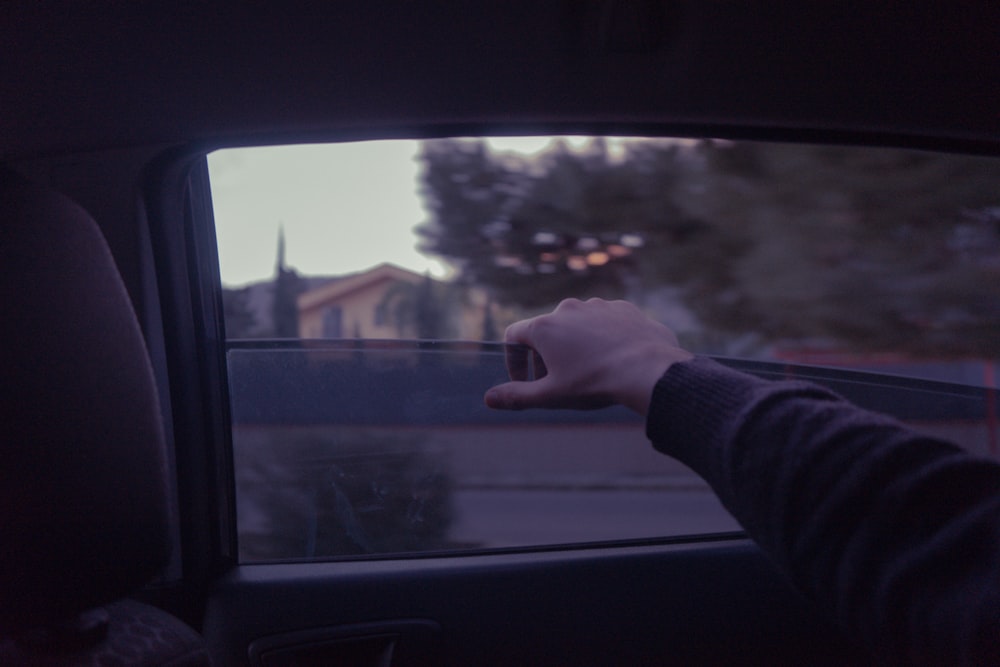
x,y
178,207
177,196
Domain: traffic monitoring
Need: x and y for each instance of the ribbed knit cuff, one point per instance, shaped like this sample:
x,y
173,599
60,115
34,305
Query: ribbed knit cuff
x,y
694,409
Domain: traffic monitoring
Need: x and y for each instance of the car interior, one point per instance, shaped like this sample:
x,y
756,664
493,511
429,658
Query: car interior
x,y
129,528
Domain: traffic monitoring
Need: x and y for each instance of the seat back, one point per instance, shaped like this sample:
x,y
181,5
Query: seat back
x,y
83,481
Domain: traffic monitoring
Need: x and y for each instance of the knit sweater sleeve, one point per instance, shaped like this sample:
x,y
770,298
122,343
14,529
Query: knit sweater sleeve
x,y
897,533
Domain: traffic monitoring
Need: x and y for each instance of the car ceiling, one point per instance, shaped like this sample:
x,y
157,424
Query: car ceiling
x,y
78,77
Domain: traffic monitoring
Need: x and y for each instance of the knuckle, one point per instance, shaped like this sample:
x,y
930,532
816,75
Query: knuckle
x,y
540,326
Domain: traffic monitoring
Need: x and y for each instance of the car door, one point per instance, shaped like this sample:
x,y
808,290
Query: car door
x,y
660,597
342,535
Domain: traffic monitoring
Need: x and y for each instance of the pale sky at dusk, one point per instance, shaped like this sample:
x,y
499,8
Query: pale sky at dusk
x,y
344,207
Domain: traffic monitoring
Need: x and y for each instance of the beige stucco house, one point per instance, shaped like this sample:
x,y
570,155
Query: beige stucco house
x,y
353,306
363,305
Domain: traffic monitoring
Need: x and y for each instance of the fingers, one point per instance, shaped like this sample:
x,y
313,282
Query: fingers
x,y
538,370
542,393
522,359
518,361
520,332
585,355
525,331
517,396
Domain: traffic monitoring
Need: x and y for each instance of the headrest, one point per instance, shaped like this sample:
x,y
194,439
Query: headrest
x,y
83,491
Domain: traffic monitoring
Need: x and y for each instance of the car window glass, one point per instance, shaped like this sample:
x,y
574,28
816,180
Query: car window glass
x,y
366,287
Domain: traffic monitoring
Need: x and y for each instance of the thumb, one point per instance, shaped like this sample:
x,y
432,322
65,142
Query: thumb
x,y
517,395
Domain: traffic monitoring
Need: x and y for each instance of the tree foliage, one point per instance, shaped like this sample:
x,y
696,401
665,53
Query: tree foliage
x,y
426,310
285,308
870,249
240,321
533,232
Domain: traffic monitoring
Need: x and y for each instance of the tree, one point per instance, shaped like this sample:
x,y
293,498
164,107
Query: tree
x,y
239,319
533,232
855,247
490,331
425,310
287,287
871,249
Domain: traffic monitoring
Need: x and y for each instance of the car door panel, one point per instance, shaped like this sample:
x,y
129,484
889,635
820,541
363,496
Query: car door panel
x,y
681,604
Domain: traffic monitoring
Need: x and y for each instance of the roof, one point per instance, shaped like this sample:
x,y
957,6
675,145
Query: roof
x,y
338,289
112,75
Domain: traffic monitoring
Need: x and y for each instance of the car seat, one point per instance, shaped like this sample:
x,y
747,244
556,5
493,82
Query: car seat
x,y
83,482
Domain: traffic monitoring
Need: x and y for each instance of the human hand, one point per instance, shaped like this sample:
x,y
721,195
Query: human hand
x,y
595,354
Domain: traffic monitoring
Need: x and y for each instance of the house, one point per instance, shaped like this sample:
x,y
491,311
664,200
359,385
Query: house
x,y
358,305
383,302
388,301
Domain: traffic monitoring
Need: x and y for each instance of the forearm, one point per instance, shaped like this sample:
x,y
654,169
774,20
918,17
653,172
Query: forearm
x,y
865,515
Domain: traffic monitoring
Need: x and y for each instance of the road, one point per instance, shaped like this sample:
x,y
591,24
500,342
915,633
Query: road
x,y
518,517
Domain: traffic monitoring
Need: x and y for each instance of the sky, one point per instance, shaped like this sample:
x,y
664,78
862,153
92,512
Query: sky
x,y
343,207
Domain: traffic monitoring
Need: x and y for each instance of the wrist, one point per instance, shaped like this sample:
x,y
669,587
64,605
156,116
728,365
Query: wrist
x,y
638,375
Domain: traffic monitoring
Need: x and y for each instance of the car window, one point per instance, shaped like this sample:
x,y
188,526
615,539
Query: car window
x,y
366,287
